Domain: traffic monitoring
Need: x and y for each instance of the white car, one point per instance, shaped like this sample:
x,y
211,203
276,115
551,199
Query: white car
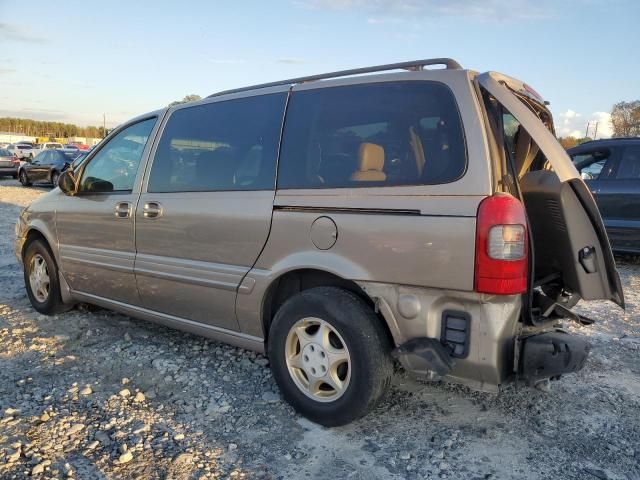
x,y
22,150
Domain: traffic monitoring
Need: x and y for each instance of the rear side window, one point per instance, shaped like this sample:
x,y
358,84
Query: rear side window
x,y
384,134
629,168
222,146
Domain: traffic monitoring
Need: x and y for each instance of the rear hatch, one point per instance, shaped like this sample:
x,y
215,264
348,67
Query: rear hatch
x,y
571,255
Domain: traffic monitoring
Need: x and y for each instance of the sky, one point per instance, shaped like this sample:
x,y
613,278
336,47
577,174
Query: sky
x,y
73,61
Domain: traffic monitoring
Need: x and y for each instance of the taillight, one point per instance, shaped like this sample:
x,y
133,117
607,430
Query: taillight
x,y
501,246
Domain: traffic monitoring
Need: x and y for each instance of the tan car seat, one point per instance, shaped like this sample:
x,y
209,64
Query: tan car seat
x,y
370,164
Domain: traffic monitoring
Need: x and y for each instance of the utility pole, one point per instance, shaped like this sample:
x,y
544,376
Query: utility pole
x,y
586,133
595,133
104,125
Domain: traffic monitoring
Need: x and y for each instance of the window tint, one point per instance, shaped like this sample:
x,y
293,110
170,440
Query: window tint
x,y
629,164
228,145
385,134
115,166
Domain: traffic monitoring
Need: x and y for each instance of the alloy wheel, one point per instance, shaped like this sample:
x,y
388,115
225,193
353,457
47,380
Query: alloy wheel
x,y
318,359
39,280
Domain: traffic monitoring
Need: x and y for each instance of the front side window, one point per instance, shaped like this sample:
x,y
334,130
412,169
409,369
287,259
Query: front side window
x,y
222,146
591,165
383,134
115,166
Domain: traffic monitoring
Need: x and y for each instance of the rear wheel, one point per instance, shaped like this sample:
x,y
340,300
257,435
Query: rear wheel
x,y
330,355
24,178
41,279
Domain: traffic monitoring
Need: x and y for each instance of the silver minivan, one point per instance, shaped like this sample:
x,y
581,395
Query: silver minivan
x,y
339,223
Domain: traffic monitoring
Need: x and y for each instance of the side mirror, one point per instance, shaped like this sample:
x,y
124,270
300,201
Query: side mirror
x,y
67,182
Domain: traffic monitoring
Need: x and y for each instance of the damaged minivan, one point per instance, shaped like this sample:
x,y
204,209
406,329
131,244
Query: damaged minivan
x,y
339,223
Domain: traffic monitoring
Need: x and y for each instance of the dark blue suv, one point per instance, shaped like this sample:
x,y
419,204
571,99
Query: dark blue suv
x,y
611,170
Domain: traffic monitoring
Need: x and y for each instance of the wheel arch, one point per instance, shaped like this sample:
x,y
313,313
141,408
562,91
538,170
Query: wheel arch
x,y
295,281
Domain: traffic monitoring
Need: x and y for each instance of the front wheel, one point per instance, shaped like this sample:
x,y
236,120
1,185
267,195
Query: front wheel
x,y
54,179
41,279
24,179
330,355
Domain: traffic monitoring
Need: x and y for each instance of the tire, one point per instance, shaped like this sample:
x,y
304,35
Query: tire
x,y
36,253
353,329
54,178
24,179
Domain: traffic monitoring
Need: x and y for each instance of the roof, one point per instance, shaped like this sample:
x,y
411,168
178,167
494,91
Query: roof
x,y
414,65
606,142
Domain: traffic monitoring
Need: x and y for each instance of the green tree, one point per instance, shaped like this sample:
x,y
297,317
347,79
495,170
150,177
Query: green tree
x,y
625,119
186,99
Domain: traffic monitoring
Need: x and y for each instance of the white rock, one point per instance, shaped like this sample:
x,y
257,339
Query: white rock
x,y
126,457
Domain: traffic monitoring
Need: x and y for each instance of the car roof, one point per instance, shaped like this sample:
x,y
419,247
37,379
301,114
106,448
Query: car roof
x,y
605,142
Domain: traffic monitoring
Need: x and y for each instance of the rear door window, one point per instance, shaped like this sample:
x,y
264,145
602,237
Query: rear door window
x,y
222,146
629,167
383,134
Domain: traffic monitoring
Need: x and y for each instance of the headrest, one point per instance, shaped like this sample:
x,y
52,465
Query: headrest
x,y
370,157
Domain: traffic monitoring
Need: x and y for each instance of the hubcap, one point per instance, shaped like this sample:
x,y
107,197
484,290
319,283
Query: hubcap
x,y
39,278
318,359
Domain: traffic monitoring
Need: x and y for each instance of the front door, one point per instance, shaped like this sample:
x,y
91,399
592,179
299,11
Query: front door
x,y
39,167
96,226
206,211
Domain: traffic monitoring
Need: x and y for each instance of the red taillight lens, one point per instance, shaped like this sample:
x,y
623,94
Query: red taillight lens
x,y
501,246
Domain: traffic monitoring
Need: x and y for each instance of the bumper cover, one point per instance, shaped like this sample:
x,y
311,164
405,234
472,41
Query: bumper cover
x,y
552,354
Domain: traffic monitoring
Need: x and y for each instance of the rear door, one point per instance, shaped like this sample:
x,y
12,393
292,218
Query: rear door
x,y
589,266
206,211
620,196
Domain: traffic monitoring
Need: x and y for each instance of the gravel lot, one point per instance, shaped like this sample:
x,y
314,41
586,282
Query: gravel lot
x,y
94,394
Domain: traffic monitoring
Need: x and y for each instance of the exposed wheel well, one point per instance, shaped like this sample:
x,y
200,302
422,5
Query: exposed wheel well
x,y
33,235
296,281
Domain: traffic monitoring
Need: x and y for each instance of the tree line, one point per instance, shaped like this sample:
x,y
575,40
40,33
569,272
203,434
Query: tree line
x,y
39,128
625,122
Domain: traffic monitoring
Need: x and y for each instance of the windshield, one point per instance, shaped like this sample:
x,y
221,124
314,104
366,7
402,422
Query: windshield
x,y
54,145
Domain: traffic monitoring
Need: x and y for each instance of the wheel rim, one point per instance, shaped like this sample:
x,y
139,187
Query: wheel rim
x,y
54,180
23,177
39,278
318,359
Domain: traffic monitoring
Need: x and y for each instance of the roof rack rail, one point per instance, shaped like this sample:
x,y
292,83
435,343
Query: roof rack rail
x,y
449,63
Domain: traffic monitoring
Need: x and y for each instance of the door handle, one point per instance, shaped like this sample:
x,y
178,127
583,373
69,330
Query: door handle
x,y
123,210
152,210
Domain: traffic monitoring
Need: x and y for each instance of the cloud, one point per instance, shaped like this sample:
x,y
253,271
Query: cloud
x,y
291,61
493,10
573,124
225,61
4,71
18,34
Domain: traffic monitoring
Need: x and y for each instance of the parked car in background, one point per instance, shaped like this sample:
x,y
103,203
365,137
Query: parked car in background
x,y
81,146
21,150
611,170
337,222
8,163
45,168
41,147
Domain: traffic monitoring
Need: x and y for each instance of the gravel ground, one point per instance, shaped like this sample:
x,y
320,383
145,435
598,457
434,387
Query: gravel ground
x,y
94,394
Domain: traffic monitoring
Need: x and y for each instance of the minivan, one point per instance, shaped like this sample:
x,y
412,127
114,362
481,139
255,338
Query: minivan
x,y
342,224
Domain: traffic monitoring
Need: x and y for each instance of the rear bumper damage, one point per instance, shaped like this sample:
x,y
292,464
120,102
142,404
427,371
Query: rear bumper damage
x,y
550,355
